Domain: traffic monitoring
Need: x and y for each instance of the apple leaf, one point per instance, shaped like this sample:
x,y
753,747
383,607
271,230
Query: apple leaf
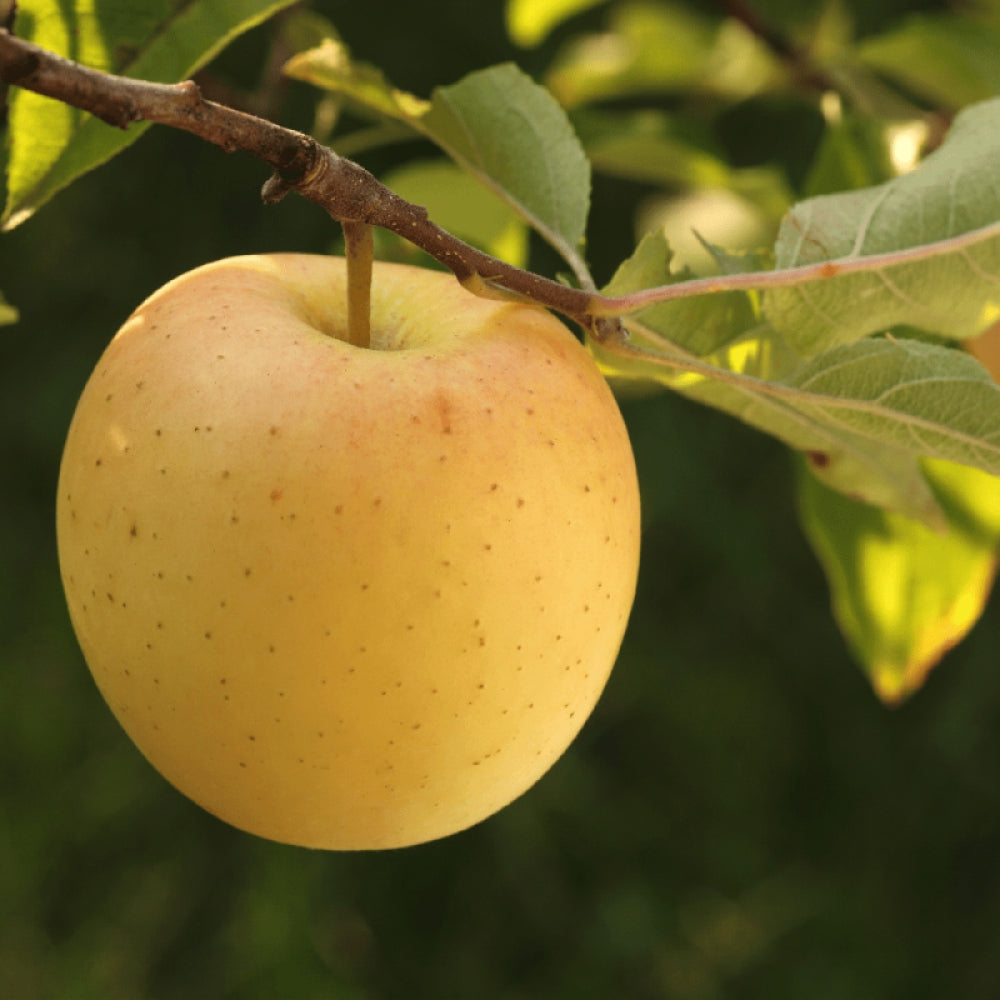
x,y
496,123
530,21
511,133
651,48
903,594
654,147
464,207
8,314
742,380
934,401
330,67
699,325
949,60
950,203
865,411
162,41
647,146
853,153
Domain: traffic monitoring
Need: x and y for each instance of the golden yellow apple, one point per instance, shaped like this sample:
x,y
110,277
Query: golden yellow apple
x,y
347,597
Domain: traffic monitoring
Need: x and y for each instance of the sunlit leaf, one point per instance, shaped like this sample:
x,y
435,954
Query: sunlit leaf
x,y
463,206
950,200
903,594
8,314
661,47
721,216
160,41
530,21
329,66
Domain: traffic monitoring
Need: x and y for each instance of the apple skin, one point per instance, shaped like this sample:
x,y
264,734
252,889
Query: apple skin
x,y
347,598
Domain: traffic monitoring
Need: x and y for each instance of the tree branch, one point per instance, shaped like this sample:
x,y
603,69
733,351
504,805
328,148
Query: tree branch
x,y
798,61
348,192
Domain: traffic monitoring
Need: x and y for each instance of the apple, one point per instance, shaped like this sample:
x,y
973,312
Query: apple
x,y
347,597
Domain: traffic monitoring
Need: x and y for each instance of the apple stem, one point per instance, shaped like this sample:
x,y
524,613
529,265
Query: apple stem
x,y
359,253
347,191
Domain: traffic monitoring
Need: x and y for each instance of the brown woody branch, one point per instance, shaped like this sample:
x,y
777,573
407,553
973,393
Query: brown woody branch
x,y
348,192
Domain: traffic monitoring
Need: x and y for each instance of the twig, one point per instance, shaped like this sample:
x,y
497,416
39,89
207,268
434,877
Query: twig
x,y
347,191
793,56
352,196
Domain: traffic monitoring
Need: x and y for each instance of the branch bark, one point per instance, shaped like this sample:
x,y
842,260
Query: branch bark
x,y
345,190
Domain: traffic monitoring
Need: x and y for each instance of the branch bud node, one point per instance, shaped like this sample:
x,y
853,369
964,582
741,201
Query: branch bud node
x,y
275,188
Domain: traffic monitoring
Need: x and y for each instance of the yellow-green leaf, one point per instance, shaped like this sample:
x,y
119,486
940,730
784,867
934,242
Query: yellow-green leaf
x,y
463,206
530,21
8,314
53,144
902,593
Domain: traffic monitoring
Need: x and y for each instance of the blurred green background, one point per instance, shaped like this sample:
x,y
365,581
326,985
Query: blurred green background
x,y
739,819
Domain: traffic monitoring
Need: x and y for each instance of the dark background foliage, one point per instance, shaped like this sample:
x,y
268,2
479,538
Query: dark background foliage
x,y
739,819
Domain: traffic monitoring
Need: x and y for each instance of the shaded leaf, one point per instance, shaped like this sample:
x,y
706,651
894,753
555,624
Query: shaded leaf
x,y
949,60
853,153
986,350
950,200
929,400
657,148
53,144
903,594
864,411
512,134
642,146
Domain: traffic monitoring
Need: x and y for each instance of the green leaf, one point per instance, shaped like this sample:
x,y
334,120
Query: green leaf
x,y
511,133
854,153
864,412
160,41
651,48
329,66
737,380
950,202
650,146
700,325
464,207
8,314
903,594
949,60
530,21
496,123
932,401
